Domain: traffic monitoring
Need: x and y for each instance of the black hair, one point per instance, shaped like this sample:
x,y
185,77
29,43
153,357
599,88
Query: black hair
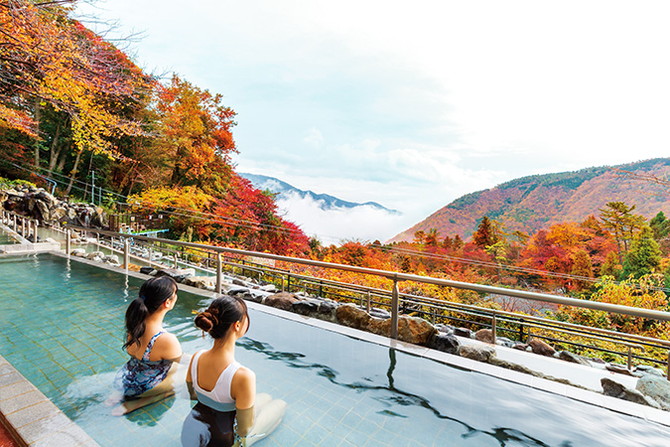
x,y
221,314
153,293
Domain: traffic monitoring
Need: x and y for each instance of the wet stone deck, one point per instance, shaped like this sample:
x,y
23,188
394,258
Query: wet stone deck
x,y
37,421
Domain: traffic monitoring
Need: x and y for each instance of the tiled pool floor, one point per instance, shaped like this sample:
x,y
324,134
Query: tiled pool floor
x,y
64,333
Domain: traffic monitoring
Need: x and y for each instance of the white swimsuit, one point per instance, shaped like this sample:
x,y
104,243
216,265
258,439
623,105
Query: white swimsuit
x,y
219,397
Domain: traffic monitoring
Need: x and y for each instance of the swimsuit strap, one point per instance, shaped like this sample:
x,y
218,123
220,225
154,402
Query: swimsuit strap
x,y
147,352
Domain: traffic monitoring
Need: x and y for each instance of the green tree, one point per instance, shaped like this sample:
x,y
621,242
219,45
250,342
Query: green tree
x,y
611,266
644,255
660,225
487,233
619,218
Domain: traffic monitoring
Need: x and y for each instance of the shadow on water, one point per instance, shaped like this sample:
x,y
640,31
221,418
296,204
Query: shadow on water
x,y
504,436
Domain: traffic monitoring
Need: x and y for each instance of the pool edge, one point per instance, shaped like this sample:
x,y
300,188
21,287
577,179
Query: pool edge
x,y
31,418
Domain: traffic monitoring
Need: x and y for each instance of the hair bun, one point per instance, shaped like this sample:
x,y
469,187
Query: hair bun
x,y
206,321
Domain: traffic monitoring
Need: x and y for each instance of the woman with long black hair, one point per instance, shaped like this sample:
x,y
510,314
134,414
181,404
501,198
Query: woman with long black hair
x,y
147,377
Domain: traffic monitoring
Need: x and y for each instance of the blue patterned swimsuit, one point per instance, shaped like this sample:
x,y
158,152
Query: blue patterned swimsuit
x,y
139,376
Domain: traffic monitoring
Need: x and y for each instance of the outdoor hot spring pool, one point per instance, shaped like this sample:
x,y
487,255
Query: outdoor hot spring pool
x,y
61,326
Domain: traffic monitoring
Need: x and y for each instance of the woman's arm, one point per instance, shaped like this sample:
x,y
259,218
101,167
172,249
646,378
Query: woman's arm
x,y
189,381
243,390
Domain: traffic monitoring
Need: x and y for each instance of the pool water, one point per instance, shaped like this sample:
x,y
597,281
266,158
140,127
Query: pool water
x,y
61,326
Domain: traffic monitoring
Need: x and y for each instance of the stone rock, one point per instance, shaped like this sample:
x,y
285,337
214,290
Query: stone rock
x,y
327,310
95,254
573,358
480,353
351,315
281,300
658,388
379,313
414,330
148,270
444,342
540,347
239,282
520,346
379,326
269,288
506,342
513,366
179,275
485,335
201,282
111,259
641,370
615,389
463,332
43,212
237,290
78,252
306,307
444,328
621,369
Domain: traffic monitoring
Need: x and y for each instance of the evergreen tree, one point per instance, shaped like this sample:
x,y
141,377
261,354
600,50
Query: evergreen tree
x,y
487,233
660,225
644,255
619,218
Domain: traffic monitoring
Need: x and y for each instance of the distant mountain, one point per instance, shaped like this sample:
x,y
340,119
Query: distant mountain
x,y
531,203
324,201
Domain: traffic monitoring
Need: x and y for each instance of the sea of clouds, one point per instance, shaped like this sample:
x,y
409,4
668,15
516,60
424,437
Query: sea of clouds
x,y
338,225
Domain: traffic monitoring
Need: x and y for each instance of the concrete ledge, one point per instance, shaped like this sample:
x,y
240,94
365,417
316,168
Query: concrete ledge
x,y
31,417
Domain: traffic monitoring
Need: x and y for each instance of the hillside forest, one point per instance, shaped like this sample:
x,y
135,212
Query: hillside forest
x,y
73,106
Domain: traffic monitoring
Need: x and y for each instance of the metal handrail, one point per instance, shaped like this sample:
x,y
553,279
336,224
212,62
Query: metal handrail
x,y
395,296
398,276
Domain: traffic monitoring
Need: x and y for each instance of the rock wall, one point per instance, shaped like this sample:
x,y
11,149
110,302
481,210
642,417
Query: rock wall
x,y
38,204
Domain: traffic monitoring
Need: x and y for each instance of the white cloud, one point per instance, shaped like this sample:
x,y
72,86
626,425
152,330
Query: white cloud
x,y
334,226
314,138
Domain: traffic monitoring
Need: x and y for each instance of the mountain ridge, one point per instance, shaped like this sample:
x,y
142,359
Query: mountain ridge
x,y
325,201
532,202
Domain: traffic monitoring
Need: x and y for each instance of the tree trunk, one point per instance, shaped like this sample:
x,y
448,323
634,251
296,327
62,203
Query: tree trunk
x,y
54,151
37,121
73,173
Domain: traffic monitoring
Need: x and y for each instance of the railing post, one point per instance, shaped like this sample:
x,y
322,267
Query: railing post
x,y
23,226
35,231
369,303
395,304
630,358
218,272
68,242
493,327
126,254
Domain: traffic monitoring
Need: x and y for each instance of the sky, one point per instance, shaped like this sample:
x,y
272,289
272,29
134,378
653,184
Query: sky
x,y
413,104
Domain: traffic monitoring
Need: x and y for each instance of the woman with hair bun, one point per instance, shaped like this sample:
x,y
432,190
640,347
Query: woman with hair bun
x,y
228,411
148,376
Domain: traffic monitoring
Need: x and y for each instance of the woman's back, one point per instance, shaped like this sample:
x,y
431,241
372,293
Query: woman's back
x,y
212,380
